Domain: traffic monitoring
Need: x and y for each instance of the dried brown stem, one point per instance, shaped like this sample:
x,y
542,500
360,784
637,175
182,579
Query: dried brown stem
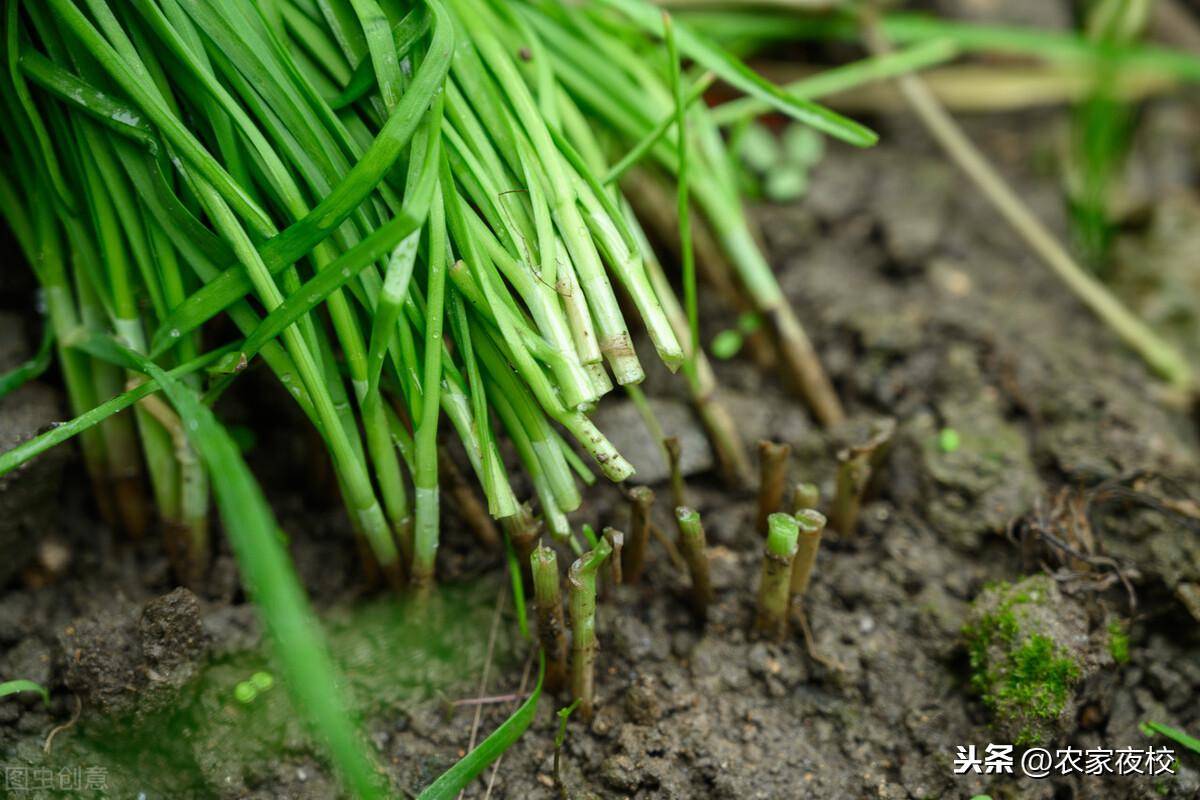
x,y
812,525
804,496
523,530
772,474
675,464
855,467
633,559
467,503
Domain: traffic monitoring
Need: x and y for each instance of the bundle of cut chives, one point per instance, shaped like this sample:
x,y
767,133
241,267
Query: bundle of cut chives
x,y
405,208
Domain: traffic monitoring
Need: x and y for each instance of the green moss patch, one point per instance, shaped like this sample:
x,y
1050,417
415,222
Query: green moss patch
x,y
1024,677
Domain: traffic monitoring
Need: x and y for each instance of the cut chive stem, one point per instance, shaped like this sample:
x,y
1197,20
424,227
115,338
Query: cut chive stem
x,y
776,581
694,547
811,526
855,466
805,496
616,540
641,501
582,601
552,629
772,476
674,465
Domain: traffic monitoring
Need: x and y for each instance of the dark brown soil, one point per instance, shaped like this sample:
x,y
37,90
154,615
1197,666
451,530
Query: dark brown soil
x,y
926,309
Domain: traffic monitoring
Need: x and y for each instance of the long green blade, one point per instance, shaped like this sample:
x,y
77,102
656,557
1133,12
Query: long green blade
x,y
455,779
737,74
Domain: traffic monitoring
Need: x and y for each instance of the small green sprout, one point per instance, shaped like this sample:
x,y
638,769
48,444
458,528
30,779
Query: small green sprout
x,y
1118,642
728,343
245,693
563,715
949,440
262,681
560,738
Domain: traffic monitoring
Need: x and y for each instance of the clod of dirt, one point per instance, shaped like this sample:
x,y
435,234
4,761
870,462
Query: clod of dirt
x,y
1031,651
970,466
128,665
26,494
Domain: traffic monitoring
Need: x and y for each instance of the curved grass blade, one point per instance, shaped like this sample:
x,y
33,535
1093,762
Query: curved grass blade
x,y
455,779
847,76
1178,736
122,118
11,459
31,369
737,74
12,687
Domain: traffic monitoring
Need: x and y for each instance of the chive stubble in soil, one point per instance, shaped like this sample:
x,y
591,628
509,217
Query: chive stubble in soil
x,y
811,524
772,474
774,587
694,547
552,633
582,601
641,500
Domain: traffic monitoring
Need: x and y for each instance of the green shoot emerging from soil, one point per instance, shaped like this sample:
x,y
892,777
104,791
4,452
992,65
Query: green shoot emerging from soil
x,y
1118,642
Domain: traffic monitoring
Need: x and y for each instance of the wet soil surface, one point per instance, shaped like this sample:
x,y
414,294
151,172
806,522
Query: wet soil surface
x,y
1067,460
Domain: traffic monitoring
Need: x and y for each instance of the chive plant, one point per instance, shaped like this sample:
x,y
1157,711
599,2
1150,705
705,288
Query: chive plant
x,y
410,215
407,210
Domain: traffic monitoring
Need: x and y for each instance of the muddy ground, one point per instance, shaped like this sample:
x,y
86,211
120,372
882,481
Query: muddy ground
x,y
925,308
